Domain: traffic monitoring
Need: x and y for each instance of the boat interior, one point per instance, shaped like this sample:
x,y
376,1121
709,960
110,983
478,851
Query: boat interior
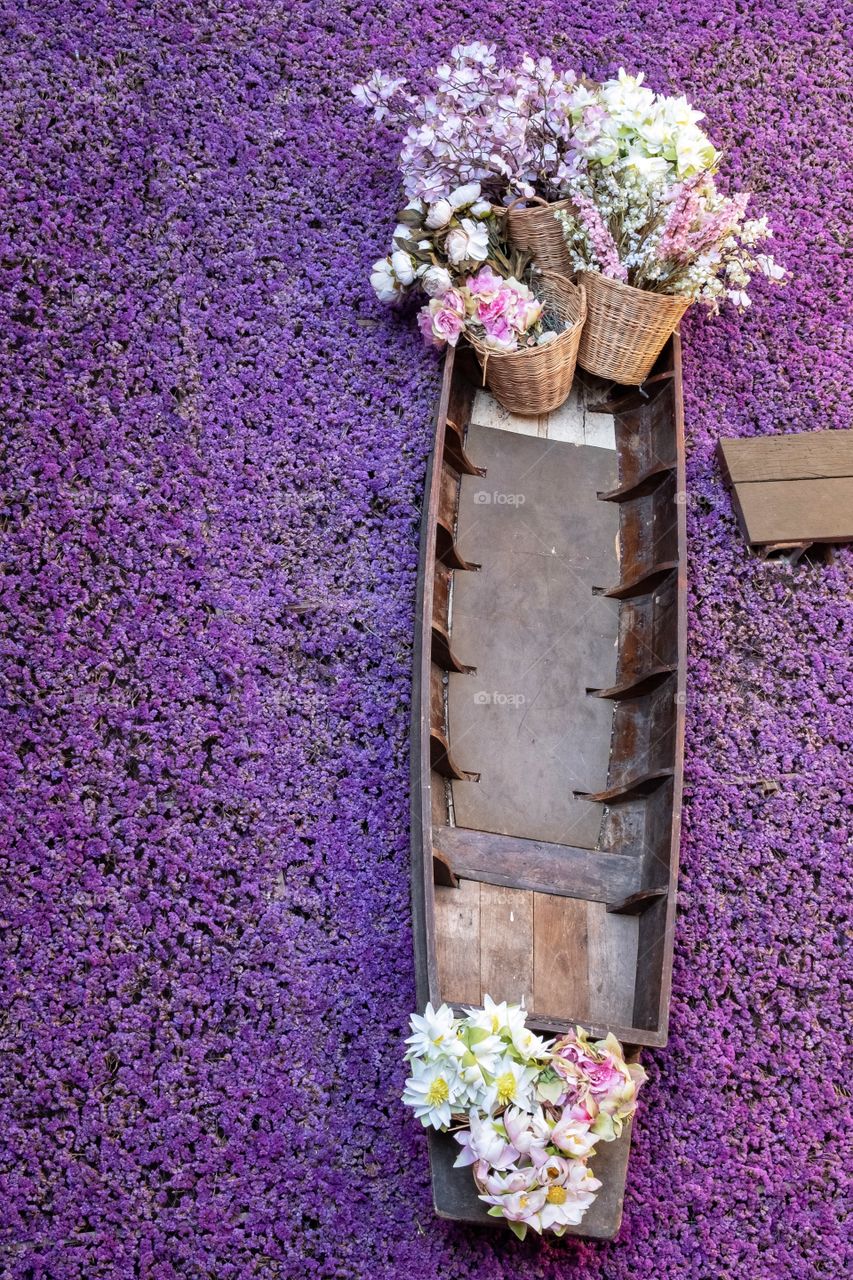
x,y
551,702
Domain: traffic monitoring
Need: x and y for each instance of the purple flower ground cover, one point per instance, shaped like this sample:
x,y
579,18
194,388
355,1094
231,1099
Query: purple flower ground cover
x,y
213,452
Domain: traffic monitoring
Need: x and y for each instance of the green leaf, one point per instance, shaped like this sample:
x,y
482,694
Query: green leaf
x,y
409,218
550,1090
518,1229
476,1035
496,1211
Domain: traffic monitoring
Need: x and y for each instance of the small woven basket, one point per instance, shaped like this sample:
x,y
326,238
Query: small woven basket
x,y
626,328
535,380
539,232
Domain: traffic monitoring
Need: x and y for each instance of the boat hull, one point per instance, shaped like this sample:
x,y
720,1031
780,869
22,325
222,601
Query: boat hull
x,y
548,728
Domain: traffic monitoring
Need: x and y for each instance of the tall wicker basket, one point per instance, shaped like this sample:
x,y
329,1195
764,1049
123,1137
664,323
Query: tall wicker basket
x,y
538,231
626,328
536,380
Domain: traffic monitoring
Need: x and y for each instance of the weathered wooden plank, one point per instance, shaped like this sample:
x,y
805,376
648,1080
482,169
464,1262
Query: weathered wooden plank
x,y
457,928
796,510
560,957
812,455
534,864
529,624
612,950
506,943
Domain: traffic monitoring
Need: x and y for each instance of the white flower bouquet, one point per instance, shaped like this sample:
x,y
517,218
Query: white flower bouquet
x,y
644,205
526,1112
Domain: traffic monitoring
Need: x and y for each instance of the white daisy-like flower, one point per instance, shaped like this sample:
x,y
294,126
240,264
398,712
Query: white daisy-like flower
x,y
512,1085
434,1033
434,1090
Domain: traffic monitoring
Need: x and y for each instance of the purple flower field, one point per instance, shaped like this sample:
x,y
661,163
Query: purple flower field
x,y
212,458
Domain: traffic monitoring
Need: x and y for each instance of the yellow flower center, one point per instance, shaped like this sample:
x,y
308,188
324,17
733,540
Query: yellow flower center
x,y
438,1092
506,1088
495,1023
557,1195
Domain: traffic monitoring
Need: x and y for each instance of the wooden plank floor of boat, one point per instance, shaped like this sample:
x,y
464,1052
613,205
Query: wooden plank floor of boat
x,y
539,638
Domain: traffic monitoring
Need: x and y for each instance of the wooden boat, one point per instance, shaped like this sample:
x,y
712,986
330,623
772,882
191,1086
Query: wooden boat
x,y
548,730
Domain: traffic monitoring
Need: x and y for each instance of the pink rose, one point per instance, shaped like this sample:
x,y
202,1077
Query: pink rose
x,y
498,307
597,1077
485,284
443,319
500,334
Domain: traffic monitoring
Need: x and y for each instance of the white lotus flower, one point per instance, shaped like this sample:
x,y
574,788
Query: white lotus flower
x,y
652,168
573,1136
567,1201
384,281
526,1043
678,112
693,151
436,281
469,242
626,96
464,196
434,1033
485,1139
402,266
495,1018
433,1091
439,214
512,1085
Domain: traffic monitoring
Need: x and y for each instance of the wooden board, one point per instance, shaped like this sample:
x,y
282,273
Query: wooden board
x,y
591,874
457,925
506,943
807,455
793,489
560,957
797,510
570,959
539,635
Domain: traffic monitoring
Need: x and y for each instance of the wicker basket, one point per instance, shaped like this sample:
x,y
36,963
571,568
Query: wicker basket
x,y
536,380
626,328
538,231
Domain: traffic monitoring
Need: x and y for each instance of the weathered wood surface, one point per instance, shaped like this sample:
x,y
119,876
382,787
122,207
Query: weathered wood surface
x,y
506,943
538,636
792,490
589,874
457,922
563,951
805,455
561,955
797,510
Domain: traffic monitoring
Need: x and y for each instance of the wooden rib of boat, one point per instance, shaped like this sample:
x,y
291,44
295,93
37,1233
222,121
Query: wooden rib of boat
x,y
548,730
